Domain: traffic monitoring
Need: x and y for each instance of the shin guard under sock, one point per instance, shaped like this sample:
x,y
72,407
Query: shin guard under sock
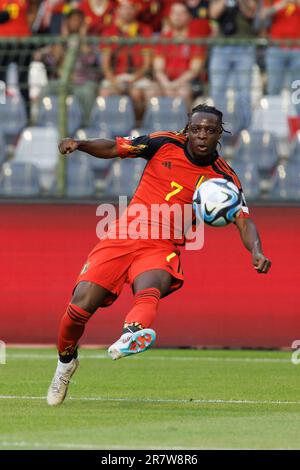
x,y
71,329
144,310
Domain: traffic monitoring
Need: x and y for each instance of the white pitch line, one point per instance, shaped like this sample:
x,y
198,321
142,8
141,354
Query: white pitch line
x,y
52,357
159,358
162,400
83,446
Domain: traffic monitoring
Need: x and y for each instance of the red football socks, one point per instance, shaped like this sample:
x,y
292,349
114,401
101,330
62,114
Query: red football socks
x,y
73,322
71,329
144,310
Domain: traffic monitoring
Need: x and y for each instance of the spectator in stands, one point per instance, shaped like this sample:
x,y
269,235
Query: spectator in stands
x,y
14,22
126,69
151,12
14,18
281,60
86,73
198,8
199,11
99,14
235,19
178,66
45,16
156,12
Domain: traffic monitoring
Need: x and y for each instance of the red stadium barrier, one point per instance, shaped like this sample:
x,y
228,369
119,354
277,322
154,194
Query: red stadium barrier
x,y
224,302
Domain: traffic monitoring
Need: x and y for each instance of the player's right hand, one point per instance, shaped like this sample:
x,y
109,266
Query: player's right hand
x,y
67,146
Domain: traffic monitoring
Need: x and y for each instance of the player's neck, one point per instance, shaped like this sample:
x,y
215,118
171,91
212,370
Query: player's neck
x,y
200,161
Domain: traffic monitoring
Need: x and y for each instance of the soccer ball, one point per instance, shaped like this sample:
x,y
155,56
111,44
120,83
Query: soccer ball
x,y
217,201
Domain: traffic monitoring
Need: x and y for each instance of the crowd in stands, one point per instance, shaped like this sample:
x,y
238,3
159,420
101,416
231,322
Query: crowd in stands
x,y
142,71
163,65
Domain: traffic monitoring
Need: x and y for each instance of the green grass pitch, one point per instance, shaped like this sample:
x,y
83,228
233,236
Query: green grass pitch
x,y
162,399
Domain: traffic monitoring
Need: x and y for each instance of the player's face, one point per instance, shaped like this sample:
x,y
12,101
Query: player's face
x,y
204,131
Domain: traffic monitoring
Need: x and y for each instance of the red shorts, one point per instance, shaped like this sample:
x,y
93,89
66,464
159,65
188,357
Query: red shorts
x,y
112,263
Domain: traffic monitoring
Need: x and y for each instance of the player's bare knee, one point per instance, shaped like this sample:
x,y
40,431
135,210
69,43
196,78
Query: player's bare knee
x,y
84,297
158,279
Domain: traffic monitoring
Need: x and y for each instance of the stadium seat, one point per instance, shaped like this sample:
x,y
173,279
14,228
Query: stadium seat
x,y
259,148
19,179
256,86
2,147
13,117
38,145
249,177
164,113
232,117
287,182
294,153
49,111
271,115
80,179
113,115
99,166
124,176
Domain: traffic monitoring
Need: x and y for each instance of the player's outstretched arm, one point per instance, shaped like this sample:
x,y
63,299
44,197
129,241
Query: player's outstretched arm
x,y
100,148
251,241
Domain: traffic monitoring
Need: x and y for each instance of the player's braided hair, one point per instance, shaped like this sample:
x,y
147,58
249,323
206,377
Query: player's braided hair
x,y
204,108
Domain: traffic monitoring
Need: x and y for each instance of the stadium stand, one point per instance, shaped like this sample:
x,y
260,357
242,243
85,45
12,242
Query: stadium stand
x,y
38,145
49,113
113,115
124,177
294,153
99,166
286,184
260,148
20,179
2,148
163,112
271,115
249,177
13,117
80,179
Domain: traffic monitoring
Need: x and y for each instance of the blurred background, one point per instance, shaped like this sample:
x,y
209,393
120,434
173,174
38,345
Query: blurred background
x,y
105,68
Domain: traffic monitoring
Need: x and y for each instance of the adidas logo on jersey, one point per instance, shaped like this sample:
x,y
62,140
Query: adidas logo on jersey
x,y
167,165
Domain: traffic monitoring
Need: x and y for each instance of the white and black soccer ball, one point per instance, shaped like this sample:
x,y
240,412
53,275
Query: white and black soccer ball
x,y
217,202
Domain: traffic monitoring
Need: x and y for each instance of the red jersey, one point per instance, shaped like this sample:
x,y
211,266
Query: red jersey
x,y
178,57
127,59
18,24
97,22
150,12
286,22
170,177
200,28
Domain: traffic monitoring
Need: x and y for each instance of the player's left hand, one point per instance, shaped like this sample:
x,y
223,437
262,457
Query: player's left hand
x,y
261,263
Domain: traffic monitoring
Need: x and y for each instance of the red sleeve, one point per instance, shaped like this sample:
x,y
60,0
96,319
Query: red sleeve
x,y
130,147
144,146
